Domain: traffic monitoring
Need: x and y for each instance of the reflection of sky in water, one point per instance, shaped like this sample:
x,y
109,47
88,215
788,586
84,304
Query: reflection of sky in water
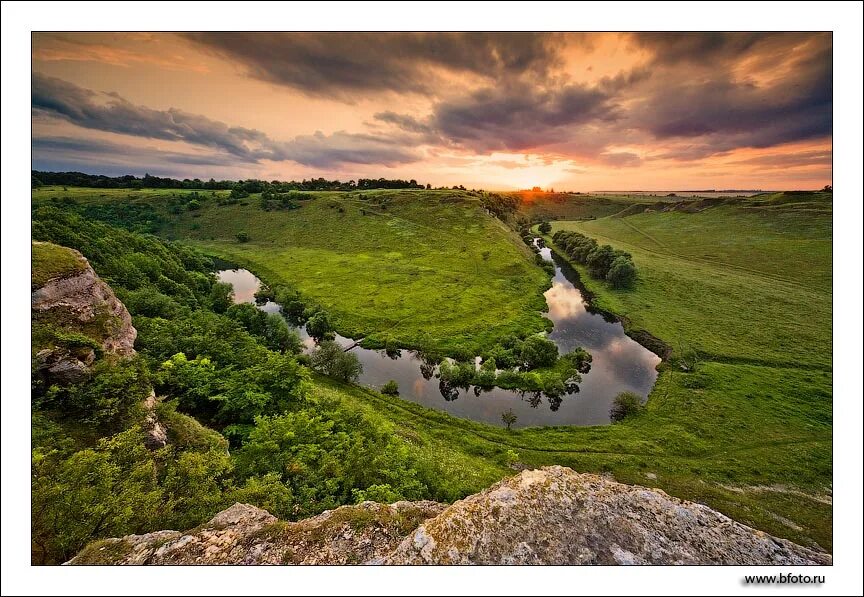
x,y
619,364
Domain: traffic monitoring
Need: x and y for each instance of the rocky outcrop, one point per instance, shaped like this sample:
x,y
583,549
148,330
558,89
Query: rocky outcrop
x,y
547,516
77,300
155,432
556,516
73,298
244,534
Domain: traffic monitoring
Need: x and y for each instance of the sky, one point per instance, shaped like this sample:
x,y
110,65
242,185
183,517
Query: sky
x,y
498,111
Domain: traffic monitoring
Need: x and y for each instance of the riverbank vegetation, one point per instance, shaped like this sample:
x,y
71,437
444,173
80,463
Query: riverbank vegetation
x,y
602,261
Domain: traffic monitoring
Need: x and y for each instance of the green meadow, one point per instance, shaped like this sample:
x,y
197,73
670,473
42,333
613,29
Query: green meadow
x,y
423,269
740,291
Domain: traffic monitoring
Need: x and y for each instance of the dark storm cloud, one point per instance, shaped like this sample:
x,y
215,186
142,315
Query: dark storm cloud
x,y
520,117
110,112
47,147
342,65
721,109
404,122
816,157
675,47
326,151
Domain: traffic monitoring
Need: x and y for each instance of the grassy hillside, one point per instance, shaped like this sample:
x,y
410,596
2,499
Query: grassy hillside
x,y
747,433
745,287
570,206
421,268
736,283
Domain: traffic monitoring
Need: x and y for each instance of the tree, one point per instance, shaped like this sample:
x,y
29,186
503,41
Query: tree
x,y
509,418
545,227
330,359
827,188
537,352
108,400
622,272
391,388
322,456
221,296
242,237
600,260
319,325
626,404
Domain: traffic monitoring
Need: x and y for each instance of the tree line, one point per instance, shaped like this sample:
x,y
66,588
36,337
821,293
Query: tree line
x,y
80,179
602,261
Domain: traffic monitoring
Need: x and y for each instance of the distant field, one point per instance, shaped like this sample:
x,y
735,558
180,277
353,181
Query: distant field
x,y
419,268
570,206
733,282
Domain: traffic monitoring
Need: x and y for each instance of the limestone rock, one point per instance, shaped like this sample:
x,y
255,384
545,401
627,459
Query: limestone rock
x,y
547,516
244,534
80,302
556,516
156,433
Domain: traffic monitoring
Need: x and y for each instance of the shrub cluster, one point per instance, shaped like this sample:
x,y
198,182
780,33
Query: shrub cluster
x,y
604,262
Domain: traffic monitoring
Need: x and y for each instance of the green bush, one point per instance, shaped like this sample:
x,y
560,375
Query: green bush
x,y
391,388
625,405
332,360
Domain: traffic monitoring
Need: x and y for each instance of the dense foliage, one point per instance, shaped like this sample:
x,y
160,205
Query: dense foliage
x,y
604,262
233,368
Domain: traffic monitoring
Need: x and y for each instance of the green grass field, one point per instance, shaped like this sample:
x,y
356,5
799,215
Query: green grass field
x,y
747,286
737,284
420,268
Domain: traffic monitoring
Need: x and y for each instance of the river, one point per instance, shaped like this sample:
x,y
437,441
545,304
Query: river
x,y
619,363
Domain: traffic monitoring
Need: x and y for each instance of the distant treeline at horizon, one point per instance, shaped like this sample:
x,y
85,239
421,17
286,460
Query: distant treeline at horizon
x,y
80,179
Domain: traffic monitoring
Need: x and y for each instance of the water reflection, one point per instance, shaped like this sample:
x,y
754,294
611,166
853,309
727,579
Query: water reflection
x,y
619,364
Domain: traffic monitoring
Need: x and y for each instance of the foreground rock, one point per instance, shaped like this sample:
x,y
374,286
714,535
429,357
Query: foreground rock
x,y
244,534
556,516
547,516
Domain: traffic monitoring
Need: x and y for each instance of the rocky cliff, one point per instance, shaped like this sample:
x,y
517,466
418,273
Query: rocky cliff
x,y
548,516
77,318
75,315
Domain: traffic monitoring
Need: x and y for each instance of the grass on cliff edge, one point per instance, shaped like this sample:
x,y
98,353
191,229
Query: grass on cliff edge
x,y
421,268
52,261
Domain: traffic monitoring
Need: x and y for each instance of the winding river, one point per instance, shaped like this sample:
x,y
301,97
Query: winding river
x,y
619,363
